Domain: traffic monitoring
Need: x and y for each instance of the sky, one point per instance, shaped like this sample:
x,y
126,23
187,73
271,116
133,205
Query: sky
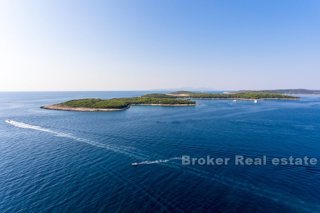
x,y
76,45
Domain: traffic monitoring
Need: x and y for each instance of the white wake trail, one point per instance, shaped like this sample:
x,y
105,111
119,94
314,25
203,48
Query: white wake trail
x,y
155,161
124,150
39,128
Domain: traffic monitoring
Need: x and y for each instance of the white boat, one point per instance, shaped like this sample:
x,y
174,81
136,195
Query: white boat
x,y
234,100
255,101
9,121
134,164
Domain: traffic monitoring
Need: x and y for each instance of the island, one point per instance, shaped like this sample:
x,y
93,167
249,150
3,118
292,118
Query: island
x,y
116,104
250,95
179,98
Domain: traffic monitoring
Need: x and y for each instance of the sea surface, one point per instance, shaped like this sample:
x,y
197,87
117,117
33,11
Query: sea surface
x,y
58,161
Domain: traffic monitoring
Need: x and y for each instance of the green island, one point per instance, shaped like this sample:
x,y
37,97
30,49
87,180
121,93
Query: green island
x,y
114,104
179,98
250,95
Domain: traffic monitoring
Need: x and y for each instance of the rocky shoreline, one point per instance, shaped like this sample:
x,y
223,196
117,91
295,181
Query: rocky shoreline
x,y
165,105
80,109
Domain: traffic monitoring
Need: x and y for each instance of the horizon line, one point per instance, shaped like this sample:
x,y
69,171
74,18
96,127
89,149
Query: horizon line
x,y
142,90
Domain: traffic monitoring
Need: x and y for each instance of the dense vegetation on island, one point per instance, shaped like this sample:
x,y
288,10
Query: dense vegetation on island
x,y
119,103
180,98
237,95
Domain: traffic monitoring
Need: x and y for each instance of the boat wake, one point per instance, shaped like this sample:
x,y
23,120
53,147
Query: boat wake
x,y
129,151
155,161
275,196
38,128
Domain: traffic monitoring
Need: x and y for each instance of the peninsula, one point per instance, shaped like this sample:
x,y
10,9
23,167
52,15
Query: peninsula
x,y
180,98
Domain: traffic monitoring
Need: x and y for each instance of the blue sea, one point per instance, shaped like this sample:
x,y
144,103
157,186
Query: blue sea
x,y
58,161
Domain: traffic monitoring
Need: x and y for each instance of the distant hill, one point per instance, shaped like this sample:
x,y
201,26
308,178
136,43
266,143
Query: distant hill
x,y
286,91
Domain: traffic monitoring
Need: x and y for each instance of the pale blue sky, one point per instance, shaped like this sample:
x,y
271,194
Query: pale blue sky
x,y
159,44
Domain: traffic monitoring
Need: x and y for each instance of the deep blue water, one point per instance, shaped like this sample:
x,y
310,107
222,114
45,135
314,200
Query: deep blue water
x,y
56,161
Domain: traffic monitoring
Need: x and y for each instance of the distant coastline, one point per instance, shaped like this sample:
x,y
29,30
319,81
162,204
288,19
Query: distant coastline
x,y
288,91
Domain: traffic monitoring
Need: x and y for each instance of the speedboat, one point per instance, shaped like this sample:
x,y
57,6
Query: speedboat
x,y
9,121
134,164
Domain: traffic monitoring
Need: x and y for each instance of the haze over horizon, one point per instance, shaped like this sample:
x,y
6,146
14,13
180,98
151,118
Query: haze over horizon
x,y
161,44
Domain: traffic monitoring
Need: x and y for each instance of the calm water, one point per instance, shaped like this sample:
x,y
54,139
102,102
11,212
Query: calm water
x,y
81,162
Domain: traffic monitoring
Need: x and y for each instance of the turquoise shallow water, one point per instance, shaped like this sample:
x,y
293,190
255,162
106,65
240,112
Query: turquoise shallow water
x,y
81,162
